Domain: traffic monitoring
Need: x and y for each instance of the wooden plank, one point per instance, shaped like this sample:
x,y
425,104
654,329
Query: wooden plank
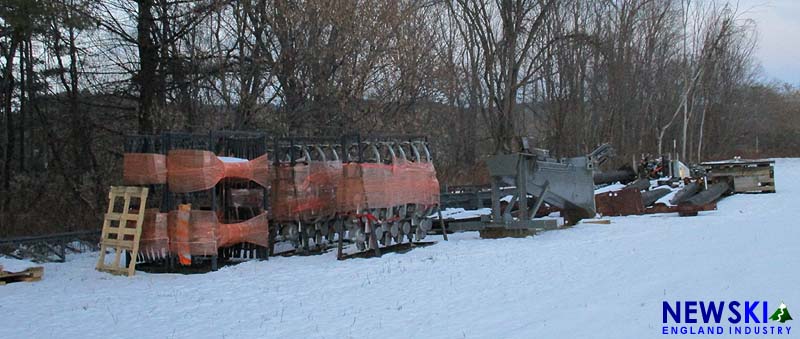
x,y
119,271
738,162
115,243
596,221
741,171
30,272
135,191
116,216
122,231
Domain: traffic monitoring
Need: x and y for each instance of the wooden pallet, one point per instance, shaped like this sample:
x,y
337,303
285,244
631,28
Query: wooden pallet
x,y
744,175
122,229
31,274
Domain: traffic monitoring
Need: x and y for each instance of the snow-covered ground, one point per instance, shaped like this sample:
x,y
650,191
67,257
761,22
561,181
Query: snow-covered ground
x,y
12,265
588,281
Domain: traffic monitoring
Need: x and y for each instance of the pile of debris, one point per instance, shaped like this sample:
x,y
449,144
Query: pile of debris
x,y
528,187
642,197
683,193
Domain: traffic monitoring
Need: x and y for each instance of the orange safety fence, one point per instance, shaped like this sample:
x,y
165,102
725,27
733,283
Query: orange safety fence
x,y
197,232
195,170
144,169
154,241
305,191
371,185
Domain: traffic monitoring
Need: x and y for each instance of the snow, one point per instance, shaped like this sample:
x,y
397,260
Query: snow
x,y
587,281
12,265
231,159
665,199
609,188
461,214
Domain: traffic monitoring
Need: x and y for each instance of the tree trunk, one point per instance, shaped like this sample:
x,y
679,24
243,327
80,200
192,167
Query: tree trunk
x,y
24,95
8,92
148,63
700,138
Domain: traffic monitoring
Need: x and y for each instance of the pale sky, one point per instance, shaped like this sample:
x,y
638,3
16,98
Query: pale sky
x,y
778,24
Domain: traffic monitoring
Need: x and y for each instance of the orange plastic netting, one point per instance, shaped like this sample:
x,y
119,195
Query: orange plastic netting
x,y
254,231
144,169
370,185
194,170
196,232
154,240
416,183
178,229
305,191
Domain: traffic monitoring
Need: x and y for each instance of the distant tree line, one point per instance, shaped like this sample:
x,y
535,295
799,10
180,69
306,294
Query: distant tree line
x,y
648,76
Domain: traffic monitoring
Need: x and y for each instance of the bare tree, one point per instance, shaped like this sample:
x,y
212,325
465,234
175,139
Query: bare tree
x,y
504,34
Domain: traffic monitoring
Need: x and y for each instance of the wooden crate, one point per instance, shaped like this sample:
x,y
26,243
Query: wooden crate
x,y
744,175
122,229
31,274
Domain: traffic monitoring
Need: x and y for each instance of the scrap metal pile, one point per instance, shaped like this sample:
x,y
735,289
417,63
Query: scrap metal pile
x,y
674,188
529,185
639,198
238,194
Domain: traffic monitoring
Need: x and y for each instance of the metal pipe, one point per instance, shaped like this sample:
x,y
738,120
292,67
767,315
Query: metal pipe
x,y
608,177
640,184
650,197
714,192
416,152
685,193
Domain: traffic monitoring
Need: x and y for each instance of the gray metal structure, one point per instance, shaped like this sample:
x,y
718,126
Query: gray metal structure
x,y
52,247
566,183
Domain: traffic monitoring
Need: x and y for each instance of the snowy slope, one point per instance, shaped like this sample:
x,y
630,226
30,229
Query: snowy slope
x,y
589,281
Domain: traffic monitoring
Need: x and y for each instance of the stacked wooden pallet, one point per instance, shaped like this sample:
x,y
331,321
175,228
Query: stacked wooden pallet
x,y
30,274
743,175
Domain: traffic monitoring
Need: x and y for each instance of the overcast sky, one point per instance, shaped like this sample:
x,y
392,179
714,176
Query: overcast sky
x,y
778,23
